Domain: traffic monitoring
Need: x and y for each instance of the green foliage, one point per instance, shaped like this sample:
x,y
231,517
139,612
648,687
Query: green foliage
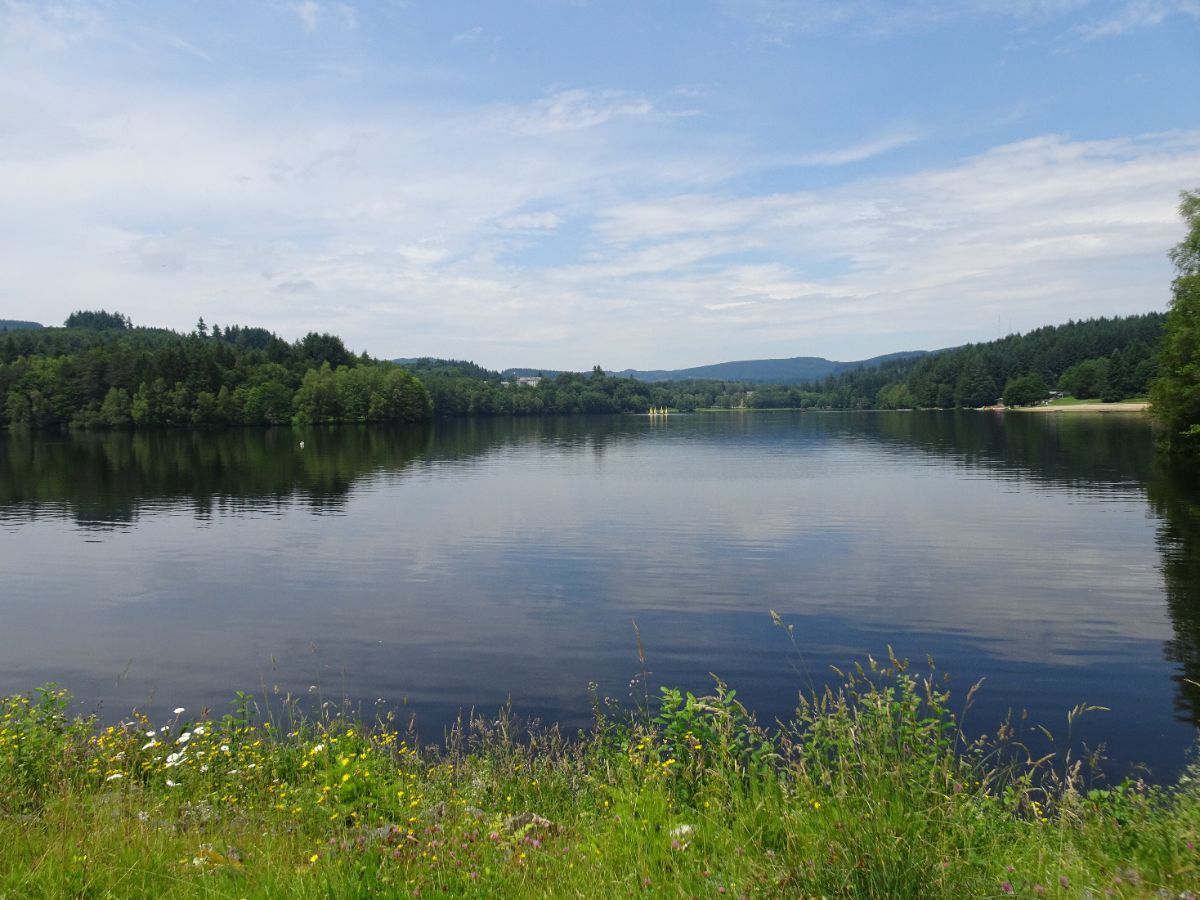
x,y
1123,349
872,791
1025,390
98,320
101,373
1175,395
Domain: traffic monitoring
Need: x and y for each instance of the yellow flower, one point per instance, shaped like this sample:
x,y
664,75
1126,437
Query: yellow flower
x,y
314,857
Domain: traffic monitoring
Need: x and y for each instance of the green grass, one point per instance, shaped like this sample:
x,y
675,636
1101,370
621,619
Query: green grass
x,y
872,791
1075,401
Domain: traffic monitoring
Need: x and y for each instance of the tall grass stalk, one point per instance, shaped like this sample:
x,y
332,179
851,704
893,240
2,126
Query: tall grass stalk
x,y
871,790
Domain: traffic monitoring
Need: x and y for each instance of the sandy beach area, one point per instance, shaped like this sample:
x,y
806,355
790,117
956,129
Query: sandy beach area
x,y
1140,406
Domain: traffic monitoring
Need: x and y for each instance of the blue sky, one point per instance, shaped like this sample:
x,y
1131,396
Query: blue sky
x,y
563,184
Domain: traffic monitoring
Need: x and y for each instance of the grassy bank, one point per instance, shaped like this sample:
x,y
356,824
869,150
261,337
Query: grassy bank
x,y
1073,404
872,791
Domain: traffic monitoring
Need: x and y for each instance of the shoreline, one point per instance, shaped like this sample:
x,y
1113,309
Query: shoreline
x,y
1139,406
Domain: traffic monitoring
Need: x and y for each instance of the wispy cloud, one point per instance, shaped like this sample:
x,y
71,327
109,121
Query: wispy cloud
x,y
1138,15
858,152
574,225
779,20
308,12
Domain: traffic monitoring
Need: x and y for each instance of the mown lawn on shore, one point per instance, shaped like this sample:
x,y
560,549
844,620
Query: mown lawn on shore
x,y
872,791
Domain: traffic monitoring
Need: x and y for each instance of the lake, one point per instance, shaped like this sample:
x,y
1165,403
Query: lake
x,y
468,563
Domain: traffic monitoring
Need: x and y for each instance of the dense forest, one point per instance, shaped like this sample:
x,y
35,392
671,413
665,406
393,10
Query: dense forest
x,y
100,372
1105,359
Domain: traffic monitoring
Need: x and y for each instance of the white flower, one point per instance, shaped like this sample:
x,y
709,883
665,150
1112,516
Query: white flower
x,y
171,783
204,768
224,748
174,759
234,771
179,710
149,744
198,730
151,733
184,738
115,776
164,728
317,749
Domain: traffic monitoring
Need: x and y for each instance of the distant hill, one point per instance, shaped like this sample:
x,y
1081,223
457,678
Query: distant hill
x,y
17,325
795,370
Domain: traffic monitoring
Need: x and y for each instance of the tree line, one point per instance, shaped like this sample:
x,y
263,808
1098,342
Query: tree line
x,y
1106,359
98,371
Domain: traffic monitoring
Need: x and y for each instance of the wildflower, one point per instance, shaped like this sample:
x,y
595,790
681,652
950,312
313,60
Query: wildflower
x,y
317,749
314,857
174,759
149,744
151,734
1007,887
224,748
199,729
184,738
179,710
172,784
115,776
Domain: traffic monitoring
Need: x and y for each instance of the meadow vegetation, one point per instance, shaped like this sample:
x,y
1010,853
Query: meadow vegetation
x,y
872,790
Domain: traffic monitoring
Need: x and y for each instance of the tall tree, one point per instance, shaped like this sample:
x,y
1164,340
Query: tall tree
x,y
1175,395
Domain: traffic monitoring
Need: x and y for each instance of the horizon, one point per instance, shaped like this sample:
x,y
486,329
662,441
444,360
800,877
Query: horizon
x,y
558,179
615,371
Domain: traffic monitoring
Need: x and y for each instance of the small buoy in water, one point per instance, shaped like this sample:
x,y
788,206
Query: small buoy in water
x,y
302,445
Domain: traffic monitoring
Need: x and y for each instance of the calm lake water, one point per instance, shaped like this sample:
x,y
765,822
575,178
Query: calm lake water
x,y
463,564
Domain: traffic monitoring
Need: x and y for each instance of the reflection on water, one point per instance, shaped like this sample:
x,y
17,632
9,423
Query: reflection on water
x,y
456,565
1174,493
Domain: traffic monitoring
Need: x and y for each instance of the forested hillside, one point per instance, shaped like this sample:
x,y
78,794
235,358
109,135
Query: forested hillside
x,y
101,372
17,325
1105,359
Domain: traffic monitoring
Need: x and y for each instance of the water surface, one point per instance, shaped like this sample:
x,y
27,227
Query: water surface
x,y
460,565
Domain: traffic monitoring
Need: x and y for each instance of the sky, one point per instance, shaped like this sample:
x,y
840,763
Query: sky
x,y
569,183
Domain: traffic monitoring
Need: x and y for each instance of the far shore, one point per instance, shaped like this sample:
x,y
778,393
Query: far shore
x,y
1127,407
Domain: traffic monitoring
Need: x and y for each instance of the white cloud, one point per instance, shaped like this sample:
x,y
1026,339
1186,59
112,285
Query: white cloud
x,y
576,110
860,151
1139,14
579,226
531,221
779,20
307,12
